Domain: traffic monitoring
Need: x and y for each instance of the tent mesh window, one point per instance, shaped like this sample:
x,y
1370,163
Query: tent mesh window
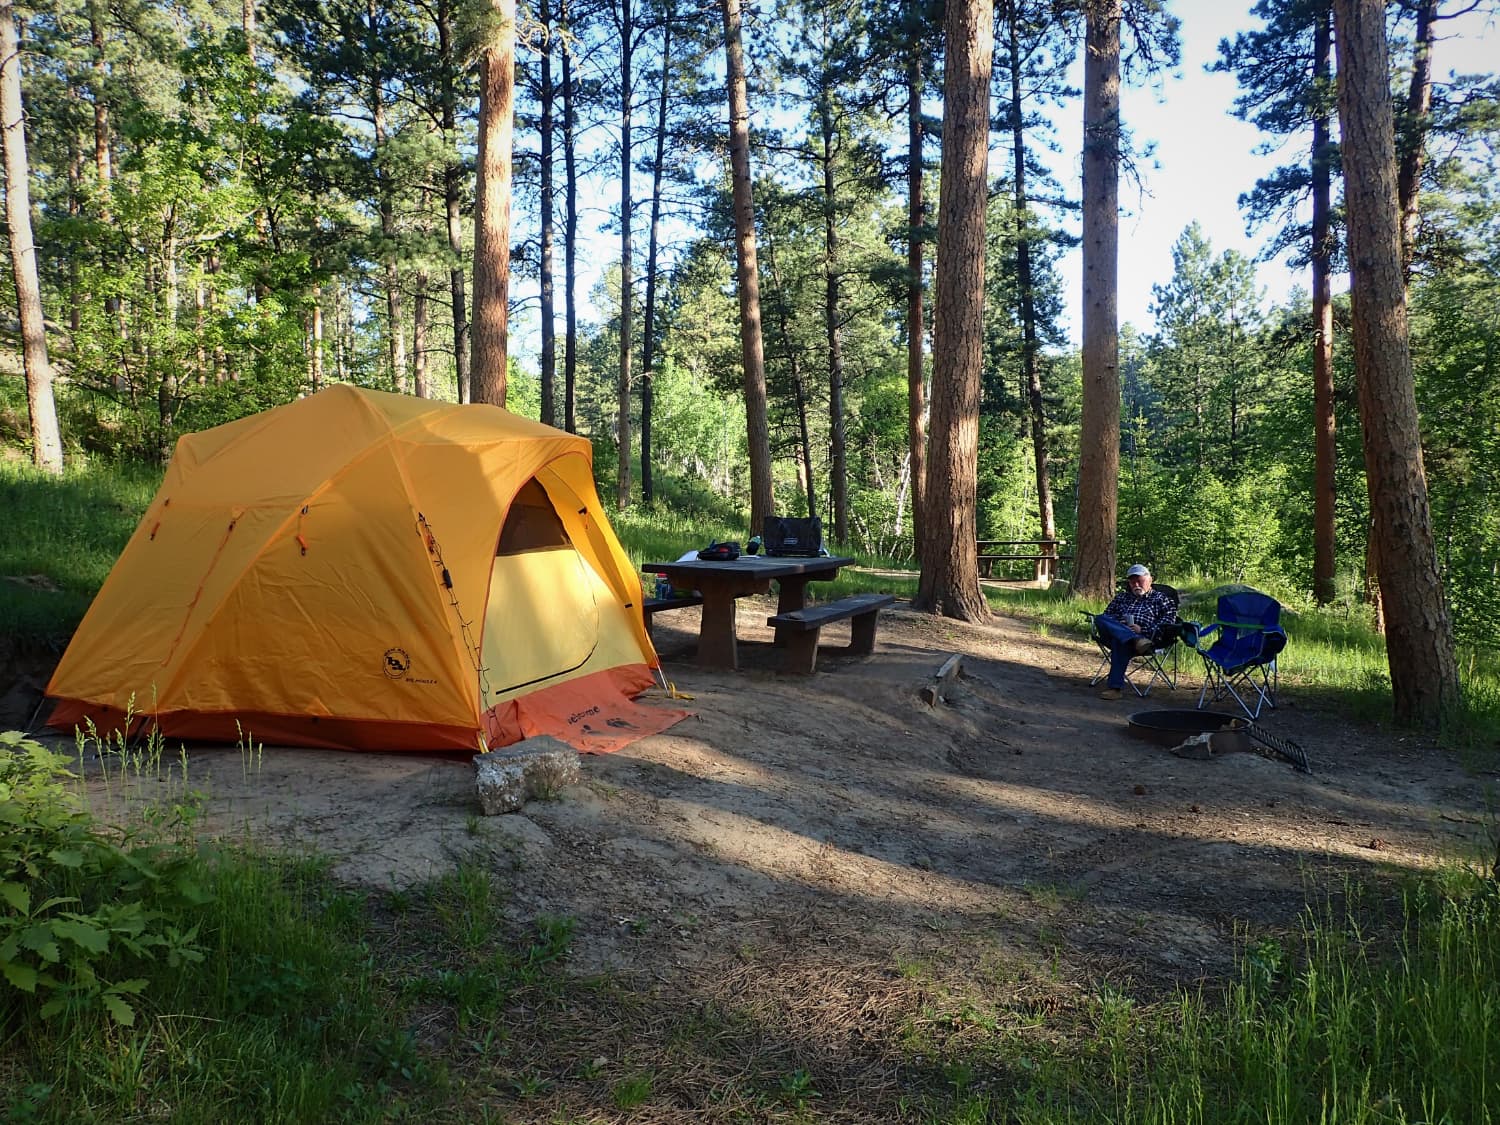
x,y
531,524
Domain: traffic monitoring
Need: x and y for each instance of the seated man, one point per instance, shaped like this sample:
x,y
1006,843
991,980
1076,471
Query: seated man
x,y
1130,624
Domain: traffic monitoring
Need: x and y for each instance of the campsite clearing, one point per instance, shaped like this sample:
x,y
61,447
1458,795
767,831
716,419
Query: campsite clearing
x,y
842,813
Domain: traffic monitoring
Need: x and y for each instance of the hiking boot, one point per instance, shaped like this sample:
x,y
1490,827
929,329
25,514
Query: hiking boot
x,y
1110,693
1142,645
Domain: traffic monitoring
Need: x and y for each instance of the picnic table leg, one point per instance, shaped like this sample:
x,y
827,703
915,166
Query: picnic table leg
x,y
862,633
717,642
791,595
801,652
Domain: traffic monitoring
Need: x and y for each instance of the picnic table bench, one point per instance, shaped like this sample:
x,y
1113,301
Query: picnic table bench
x,y
1044,554
676,601
797,630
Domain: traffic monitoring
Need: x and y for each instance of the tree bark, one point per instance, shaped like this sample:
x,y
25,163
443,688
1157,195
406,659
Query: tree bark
x,y
1030,346
627,281
1099,454
949,582
41,410
838,467
395,315
489,354
103,164
315,364
1415,119
757,424
420,384
452,203
1419,631
648,329
1325,448
916,375
549,315
570,238
799,388
247,25
103,158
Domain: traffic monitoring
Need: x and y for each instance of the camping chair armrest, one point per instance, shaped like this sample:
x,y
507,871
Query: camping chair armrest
x,y
1191,633
1170,632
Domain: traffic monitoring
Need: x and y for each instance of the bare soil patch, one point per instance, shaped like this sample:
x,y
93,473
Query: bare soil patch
x,y
843,801
808,847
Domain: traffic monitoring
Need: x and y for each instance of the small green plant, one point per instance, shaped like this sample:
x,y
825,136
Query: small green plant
x,y
83,909
250,751
467,906
530,1085
796,1089
633,1091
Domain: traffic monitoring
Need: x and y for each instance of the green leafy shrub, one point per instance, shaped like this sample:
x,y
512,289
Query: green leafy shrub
x,y
79,911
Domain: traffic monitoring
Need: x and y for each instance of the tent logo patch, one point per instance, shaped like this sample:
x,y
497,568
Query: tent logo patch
x,y
396,663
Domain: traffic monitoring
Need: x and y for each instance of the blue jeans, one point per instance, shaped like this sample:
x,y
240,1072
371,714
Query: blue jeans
x,y
1121,638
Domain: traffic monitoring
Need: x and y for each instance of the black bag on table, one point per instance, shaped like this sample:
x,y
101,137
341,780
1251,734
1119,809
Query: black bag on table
x,y
720,552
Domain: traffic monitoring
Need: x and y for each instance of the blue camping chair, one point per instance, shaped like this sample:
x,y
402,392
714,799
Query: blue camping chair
x,y
1246,635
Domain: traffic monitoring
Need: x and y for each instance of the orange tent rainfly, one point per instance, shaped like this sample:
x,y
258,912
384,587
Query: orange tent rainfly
x,y
363,570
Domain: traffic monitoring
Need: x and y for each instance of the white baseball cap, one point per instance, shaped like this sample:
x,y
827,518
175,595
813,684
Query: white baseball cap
x,y
1137,569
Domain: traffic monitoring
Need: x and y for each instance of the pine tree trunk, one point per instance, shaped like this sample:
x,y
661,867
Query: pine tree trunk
x,y
949,582
491,330
453,203
41,410
838,466
1099,454
167,396
1325,448
916,375
1419,631
547,271
1030,346
757,424
799,389
627,281
395,336
75,211
103,160
420,384
315,367
570,239
247,25
1415,119
648,329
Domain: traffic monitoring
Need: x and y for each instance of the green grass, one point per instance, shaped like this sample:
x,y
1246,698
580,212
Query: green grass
x,y
63,535
315,1002
1351,1022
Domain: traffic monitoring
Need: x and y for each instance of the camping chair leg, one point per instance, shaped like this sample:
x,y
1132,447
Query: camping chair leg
x,y
1159,666
1101,671
1218,685
1154,664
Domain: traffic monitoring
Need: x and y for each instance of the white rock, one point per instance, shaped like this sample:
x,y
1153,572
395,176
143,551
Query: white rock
x,y
510,776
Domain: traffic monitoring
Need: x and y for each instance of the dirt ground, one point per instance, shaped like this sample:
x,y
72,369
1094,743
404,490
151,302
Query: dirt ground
x,y
840,817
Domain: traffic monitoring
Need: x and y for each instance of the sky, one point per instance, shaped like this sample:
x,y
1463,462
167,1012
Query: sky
x,y
1205,158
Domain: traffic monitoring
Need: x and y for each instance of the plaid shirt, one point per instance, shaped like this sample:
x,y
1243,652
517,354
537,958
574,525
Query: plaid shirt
x,y
1151,611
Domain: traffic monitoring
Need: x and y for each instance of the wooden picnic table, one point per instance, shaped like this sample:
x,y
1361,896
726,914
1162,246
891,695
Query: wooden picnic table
x,y
721,583
1043,554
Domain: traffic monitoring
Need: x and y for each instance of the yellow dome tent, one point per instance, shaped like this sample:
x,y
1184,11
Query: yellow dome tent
x,y
365,570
